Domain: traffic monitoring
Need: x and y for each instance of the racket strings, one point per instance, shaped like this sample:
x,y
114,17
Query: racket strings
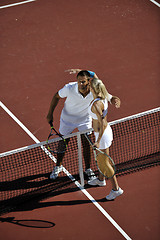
x,y
58,147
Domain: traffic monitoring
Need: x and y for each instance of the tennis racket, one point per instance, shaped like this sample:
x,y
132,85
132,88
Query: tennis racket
x,y
58,146
104,162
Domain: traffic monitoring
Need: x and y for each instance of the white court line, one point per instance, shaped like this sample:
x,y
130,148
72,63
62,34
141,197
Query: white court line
x,y
70,176
155,3
15,4
18,122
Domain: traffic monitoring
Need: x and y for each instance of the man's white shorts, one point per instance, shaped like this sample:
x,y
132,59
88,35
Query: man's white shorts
x,y
67,128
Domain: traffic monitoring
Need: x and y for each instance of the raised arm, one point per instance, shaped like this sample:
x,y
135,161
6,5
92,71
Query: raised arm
x,y
53,105
76,71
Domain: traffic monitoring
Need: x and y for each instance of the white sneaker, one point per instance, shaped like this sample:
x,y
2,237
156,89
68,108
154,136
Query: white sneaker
x,y
113,194
55,172
90,174
96,181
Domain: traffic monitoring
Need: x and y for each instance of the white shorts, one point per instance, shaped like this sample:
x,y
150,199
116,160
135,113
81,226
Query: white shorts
x,y
106,139
67,128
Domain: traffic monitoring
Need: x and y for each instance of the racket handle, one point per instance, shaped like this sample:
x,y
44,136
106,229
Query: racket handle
x,y
51,123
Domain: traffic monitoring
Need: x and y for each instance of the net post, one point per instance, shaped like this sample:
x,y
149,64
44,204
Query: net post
x,y
81,175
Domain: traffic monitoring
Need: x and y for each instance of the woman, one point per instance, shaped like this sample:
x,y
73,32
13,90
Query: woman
x,y
103,133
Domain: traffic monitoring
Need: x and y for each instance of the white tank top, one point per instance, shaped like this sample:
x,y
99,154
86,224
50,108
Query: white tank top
x,y
105,103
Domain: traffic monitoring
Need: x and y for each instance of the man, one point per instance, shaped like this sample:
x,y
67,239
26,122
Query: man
x,y
75,113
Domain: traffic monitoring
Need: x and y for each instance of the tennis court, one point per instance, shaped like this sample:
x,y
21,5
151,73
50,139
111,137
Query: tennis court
x,y
119,40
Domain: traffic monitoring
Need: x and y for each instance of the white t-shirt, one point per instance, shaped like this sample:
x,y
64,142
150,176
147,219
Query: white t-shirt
x,y
75,108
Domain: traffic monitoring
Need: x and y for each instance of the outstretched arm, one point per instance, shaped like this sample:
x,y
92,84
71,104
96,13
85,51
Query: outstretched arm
x,y
53,105
73,71
76,71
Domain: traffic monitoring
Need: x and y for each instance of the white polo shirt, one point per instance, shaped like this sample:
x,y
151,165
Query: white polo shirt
x,y
75,108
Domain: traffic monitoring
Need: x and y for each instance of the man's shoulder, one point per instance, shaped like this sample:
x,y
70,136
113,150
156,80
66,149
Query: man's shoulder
x,y
71,85
68,89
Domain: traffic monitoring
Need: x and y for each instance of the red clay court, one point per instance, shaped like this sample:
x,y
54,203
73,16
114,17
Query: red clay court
x,y
119,40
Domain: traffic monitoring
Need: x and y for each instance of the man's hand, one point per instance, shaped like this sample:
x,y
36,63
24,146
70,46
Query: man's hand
x,y
116,101
73,71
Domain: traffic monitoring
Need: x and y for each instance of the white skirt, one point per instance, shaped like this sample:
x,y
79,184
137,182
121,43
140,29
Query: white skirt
x,y
106,139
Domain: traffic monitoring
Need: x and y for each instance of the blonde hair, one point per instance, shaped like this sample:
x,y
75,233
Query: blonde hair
x,y
99,88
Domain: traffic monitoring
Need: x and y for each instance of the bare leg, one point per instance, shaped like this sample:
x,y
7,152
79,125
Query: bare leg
x,y
114,183
61,155
113,180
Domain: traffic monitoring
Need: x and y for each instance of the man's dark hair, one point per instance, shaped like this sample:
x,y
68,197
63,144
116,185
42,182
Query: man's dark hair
x,y
83,73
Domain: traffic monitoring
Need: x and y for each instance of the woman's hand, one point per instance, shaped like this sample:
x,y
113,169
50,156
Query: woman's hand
x,y
96,145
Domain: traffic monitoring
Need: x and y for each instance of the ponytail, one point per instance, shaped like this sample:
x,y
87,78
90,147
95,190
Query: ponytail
x,y
99,88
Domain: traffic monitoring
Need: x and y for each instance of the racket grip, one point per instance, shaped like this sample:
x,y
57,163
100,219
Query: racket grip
x,y
51,123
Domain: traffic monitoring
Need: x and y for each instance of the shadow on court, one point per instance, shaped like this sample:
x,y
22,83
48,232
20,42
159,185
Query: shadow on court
x,y
31,223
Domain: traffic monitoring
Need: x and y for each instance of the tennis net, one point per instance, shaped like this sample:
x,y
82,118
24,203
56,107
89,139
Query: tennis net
x,y
25,171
